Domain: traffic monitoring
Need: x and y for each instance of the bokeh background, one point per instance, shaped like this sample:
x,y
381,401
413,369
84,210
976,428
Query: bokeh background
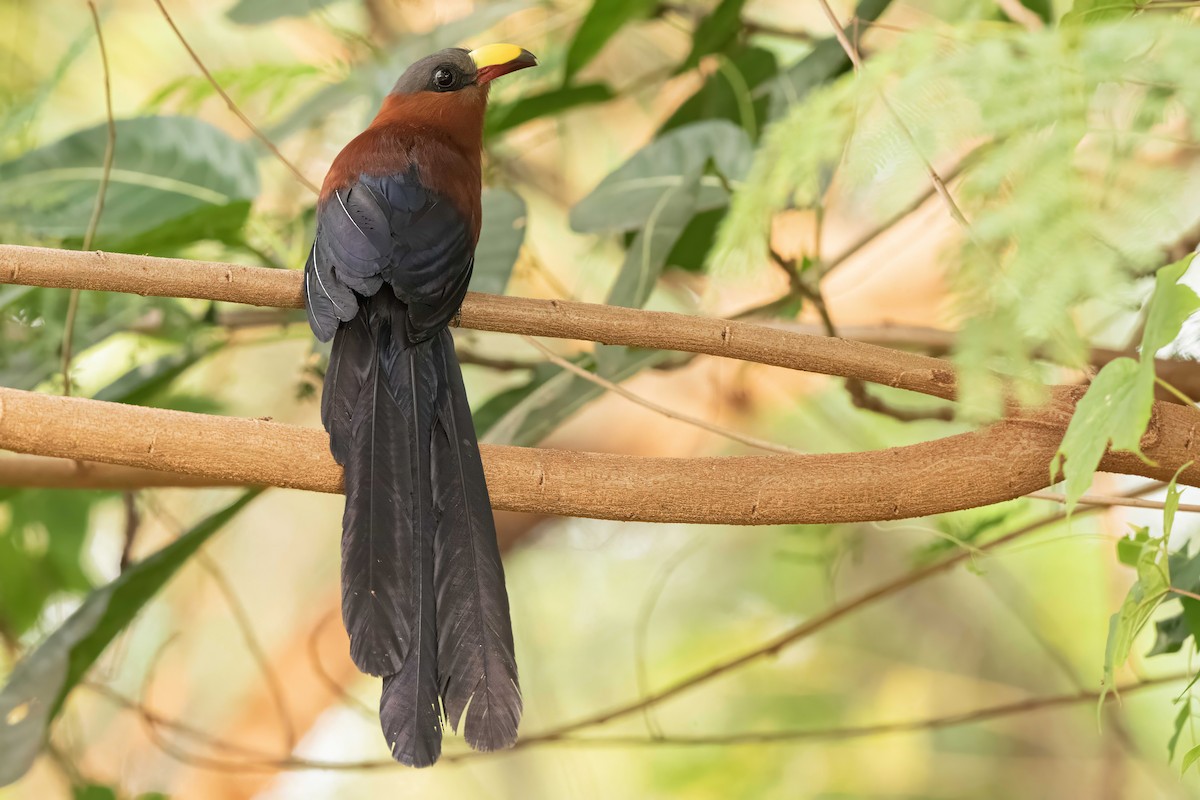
x,y
244,646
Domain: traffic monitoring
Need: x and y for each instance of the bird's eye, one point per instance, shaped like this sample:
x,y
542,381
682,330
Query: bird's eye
x,y
444,79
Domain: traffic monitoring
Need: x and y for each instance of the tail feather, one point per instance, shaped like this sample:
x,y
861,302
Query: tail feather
x,y
351,361
423,595
409,710
377,440
476,660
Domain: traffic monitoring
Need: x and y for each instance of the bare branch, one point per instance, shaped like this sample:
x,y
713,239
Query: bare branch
x,y
1112,500
110,147
43,472
242,618
688,419
802,631
169,277
1003,461
1018,13
985,714
939,184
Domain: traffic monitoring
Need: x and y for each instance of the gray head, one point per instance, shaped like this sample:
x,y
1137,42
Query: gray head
x,y
457,68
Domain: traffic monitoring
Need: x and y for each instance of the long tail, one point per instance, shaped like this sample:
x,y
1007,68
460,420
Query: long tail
x,y
476,661
423,595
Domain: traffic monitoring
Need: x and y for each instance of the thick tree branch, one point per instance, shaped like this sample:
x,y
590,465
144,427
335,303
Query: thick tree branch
x,y
1003,461
44,472
170,277
1006,460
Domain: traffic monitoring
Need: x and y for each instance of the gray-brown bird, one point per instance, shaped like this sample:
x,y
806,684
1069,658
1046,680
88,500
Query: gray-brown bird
x,y
423,596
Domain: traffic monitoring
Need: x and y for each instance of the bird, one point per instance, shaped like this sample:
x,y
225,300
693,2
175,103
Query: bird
x,y
423,594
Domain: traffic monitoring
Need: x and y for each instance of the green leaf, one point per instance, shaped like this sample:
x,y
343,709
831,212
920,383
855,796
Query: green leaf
x,y
140,385
555,101
500,240
1189,758
1170,306
726,91
1169,635
1091,12
174,179
22,114
529,413
1130,548
1191,615
1146,594
33,356
646,257
93,791
256,12
1185,571
648,253
1185,712
1116,407
694,244
41,545
41,681
1171,504
603,20
714,33
1043,8
626,198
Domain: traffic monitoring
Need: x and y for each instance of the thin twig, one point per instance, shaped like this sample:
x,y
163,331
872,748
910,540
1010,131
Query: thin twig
x,y
561,736
790,637
242,619
264,763
466,356
939,184
642,629
110,149
1018,13
161,720
859,395
1112,500
262,137
314,657
615,388
133,521
863,731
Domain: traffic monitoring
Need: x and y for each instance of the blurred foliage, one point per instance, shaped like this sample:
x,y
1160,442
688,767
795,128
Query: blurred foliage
x,y
1064,199
1073,149
39,685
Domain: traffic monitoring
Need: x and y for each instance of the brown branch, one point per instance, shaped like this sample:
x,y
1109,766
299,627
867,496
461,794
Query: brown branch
x,y
1001,462
133,523
688,419
262,137
245,625
855,387
561,735
1183,374
790,637
170,277
488,362
43,472
1018,13
985,714
1004,461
